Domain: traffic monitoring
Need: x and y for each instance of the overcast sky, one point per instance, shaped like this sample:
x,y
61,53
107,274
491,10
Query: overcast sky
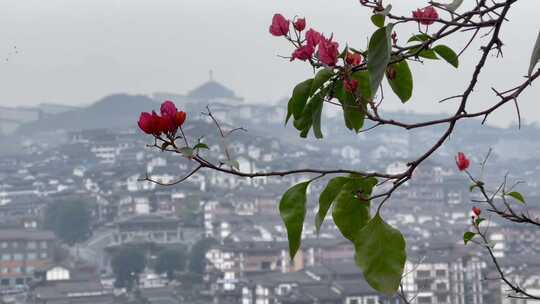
x,y
77,51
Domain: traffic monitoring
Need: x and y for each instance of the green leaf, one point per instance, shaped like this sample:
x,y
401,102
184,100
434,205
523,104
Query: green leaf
x,y
232,163
517,196
328,195
468,236
419,38
352,112
447,54
454,5
351,212
292,209
402,84
299,99
320,79
378,20
311,117
380,48
428,54
478,221
535,56
380,253
187,152
201,146
472,186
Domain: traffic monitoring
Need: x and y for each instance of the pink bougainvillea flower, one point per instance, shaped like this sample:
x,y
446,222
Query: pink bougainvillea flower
x,y
303,53
476,211
328,51
147,123
279,26
350,85
462,162
300,24
313,37
426,16
180,118
168,108
353,59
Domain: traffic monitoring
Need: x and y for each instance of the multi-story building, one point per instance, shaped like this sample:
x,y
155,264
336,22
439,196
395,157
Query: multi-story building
x,y
22,252
148,228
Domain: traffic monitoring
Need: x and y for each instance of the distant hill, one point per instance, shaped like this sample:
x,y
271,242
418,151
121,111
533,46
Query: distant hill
x,y
114,111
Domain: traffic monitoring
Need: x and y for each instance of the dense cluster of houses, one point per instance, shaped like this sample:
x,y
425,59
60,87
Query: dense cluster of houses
x,y
248,262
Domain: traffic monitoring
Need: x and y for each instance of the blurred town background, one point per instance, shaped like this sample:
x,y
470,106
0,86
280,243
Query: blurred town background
x,y
78,226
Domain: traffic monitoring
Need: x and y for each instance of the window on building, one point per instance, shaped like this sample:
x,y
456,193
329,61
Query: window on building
x,y
424,300
18,257
6,257
440,272
43,244
19,281
32,256
354,301
43,255
371,301
15,244
423,273
4,244
31,245
265,265
442,299
441,286
4,282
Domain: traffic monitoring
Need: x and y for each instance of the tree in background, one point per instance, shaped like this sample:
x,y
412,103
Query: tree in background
x,y
70,221
127,265
169,261
197,257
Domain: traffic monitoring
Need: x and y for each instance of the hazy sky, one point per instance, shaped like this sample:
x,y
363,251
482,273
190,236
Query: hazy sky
x,y
77,51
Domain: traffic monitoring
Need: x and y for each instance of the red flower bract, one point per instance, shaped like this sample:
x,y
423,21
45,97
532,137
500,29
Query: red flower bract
x,y
180,118
426,16
147,123
476,211
328,51
462,162
303,53
350,85
313,37
300,24
353,59
279,26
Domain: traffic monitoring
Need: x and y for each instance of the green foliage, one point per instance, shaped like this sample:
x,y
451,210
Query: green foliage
x,y
201,146
320,79
447,54
292,209
299,99
353,113
127,264
327,198
380,253
402,83
197,257
517,196
351,209
427,53
419,38
378,20
468,236
70,221
170,261
454,5
311,117
535,56
380,48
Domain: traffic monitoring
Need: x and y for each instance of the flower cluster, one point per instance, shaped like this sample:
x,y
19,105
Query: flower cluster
x,y
426,16
168,123
312,44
